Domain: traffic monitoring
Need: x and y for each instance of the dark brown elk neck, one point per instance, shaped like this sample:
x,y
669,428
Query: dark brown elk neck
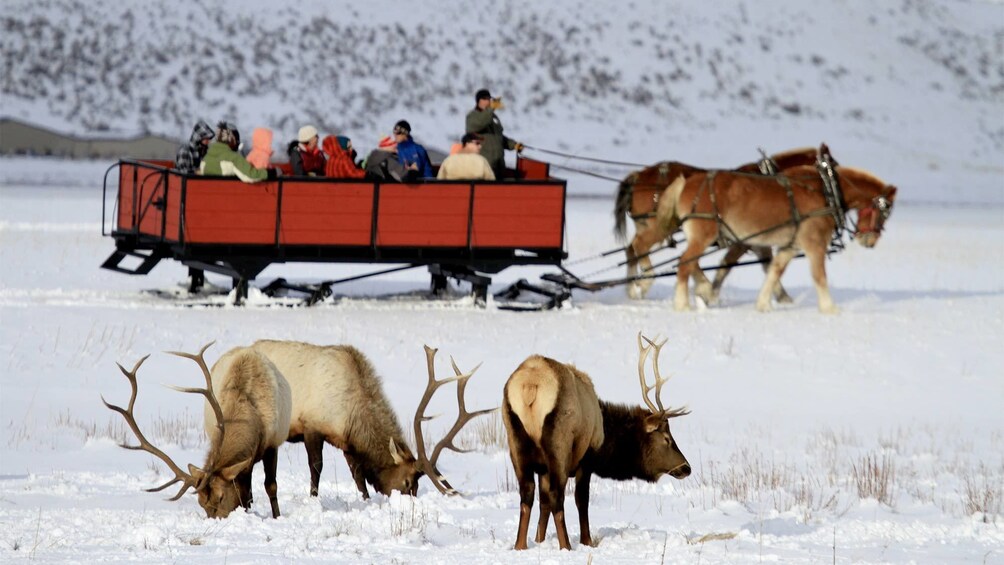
x,y
620,456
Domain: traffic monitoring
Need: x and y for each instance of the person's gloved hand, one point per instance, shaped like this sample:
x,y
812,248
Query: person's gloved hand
x,y
519,147
496,104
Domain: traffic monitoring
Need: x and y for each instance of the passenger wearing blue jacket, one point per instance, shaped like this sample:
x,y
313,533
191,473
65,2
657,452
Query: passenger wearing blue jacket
x,y
412,155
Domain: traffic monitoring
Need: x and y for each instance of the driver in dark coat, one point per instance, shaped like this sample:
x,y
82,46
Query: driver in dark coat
x,y
483,121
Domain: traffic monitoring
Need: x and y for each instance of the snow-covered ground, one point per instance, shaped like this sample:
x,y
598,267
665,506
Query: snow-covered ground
x,y
872,436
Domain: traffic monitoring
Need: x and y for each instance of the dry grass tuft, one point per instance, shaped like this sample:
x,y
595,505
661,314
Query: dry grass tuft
x,y
875,477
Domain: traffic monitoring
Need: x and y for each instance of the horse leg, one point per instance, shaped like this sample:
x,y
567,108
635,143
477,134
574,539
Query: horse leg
x,y
700,234
702,286
766,255
644,239
633,289
817,267
735,251
774,272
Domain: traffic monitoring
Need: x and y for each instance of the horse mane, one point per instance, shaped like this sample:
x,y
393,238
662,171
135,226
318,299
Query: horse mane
x,y
861,174
791,152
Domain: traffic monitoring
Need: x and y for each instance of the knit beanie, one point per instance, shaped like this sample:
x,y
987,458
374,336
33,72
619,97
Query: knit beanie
x,y
306,133
343,141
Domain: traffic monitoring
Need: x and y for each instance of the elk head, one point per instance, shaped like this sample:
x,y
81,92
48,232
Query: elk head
x,y
660,454
463,417
218,490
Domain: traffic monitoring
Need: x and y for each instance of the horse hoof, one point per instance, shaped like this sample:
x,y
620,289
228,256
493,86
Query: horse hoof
x,y
829,310
685,307
634,293
761,307
785,299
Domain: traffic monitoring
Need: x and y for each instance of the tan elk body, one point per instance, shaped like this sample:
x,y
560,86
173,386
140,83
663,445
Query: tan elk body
x,y
338,398
557,428
247,413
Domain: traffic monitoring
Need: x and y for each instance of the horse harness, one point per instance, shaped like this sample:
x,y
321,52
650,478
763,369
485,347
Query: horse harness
x,y
832,193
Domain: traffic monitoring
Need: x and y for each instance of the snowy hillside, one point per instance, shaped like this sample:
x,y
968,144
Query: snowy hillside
x,y
913,90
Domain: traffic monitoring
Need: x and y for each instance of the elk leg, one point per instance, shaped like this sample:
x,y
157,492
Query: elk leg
x,y
524,477
556,499
314,442
243,481
766,255
270,459
777,267
357,474
582,503
544,487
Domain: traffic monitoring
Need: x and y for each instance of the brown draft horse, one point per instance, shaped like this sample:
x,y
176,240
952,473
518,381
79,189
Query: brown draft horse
x,y
788,211
638,195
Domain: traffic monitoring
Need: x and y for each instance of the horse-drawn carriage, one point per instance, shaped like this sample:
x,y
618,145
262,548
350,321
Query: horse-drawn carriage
x,y
461,229
797,201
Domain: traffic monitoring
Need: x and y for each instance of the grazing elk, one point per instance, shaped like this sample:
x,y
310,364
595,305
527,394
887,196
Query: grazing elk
x,y
557,427
247,414
338,398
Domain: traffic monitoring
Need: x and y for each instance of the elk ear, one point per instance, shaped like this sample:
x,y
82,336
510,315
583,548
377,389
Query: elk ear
x,y
230,473
653,422
395,453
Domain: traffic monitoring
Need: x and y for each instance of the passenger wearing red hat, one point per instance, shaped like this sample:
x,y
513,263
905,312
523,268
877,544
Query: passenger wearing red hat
x,y
382,163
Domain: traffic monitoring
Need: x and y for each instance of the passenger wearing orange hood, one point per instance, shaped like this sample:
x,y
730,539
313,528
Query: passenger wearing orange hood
x,y
340,155
261,148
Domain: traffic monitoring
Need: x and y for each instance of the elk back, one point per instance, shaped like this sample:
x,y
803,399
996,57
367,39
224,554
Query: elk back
x,y
249,386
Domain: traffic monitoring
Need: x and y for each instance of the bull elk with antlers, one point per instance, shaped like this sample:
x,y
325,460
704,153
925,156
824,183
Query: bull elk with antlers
x,y
247,413
557,428
338,398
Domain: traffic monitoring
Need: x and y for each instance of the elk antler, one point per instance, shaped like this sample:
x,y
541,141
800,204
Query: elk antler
x,y
656,407
145,445
208,391
463,416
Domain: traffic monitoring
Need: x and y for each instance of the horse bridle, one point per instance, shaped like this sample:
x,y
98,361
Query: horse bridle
x,y
871,219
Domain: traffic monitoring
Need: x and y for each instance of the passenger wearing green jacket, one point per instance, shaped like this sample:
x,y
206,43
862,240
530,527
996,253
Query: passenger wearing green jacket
x,y
483,121
222,158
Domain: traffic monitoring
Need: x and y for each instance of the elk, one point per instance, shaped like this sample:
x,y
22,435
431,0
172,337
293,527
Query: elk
x,y
247,413
338,398
557,427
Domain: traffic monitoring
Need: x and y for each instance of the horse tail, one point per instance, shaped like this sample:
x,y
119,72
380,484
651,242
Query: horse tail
x,y
622,206
666,213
